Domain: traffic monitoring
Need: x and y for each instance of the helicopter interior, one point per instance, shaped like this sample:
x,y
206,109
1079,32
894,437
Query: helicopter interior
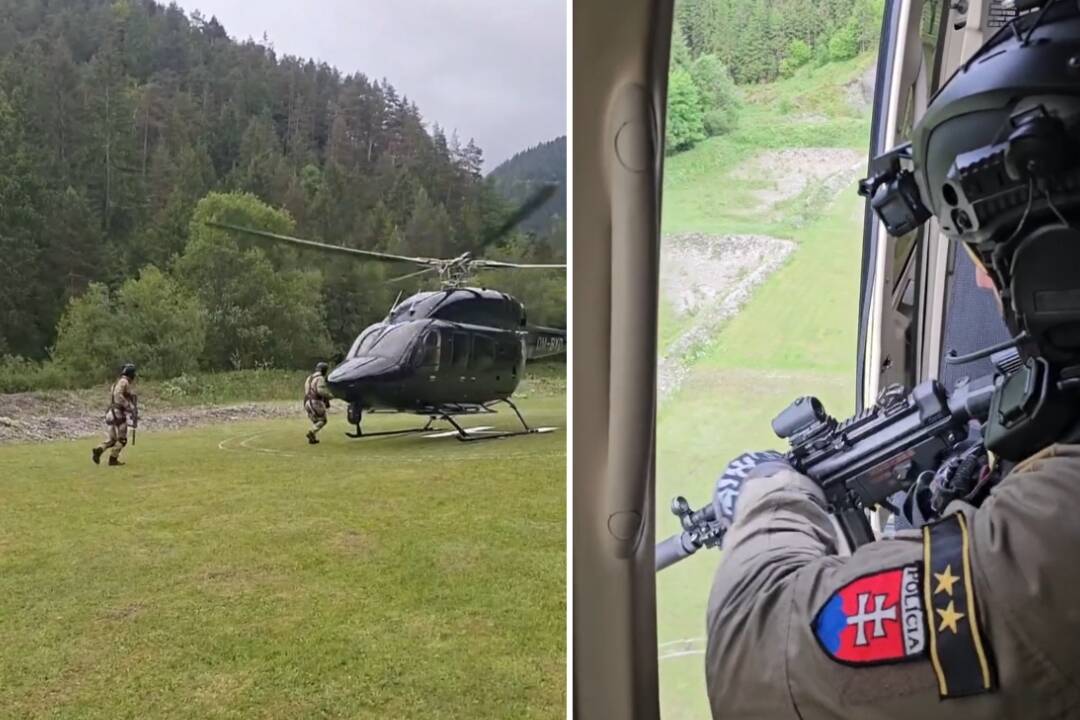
x,y
919,299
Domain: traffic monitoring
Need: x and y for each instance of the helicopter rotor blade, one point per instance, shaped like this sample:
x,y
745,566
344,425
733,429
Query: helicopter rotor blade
x,y
527,208
401,278
517,266
430,263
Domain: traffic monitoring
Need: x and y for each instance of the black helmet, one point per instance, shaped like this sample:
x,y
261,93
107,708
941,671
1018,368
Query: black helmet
x,y
128,370
322,368
996,159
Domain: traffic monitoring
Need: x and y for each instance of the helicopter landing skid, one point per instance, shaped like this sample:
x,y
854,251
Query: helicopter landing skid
x,y
464,435
409,431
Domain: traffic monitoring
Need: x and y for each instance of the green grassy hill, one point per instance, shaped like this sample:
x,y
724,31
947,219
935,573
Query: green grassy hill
x,y
813,109
795,336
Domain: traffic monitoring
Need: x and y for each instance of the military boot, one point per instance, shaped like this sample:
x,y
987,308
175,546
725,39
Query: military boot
x,y
312,440
114,461
97,455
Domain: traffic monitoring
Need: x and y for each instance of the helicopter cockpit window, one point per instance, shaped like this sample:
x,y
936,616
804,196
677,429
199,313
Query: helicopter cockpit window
x,y
460,359
390,341
483,355
365,341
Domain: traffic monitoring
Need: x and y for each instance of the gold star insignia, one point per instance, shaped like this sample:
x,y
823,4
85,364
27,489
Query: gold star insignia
x,y
945,581
949,618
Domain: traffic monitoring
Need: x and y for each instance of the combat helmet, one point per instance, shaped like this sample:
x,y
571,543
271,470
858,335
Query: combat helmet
x,y
996,160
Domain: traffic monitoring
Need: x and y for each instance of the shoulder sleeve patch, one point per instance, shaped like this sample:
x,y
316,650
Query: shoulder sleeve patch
x,y
960,657
875,619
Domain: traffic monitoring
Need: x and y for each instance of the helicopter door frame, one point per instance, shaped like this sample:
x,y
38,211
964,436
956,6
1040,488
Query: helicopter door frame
x,y
960,34
876,298
882,356
621,53
459,361
431,369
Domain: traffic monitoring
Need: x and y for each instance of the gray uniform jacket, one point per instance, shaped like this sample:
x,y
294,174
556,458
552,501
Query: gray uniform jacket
x,y
1000,625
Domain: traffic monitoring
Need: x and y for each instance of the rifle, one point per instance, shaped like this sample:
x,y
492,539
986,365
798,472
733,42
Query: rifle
x,y
859,462
134,419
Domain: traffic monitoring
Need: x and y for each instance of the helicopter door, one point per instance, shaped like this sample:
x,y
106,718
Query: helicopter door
x,y
428,354
483,354
508,356
459,360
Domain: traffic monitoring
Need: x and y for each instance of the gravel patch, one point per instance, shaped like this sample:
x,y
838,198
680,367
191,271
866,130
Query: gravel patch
x,y
710,277
33,417
859,93
792,171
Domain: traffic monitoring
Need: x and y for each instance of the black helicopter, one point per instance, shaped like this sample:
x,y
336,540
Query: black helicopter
x,y
443,353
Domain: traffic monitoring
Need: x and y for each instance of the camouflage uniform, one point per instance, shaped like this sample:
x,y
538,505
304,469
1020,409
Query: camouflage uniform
x,y
316,403
977,609
121,407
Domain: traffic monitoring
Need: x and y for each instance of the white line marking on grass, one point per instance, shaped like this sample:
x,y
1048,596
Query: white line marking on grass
x,y
684,641
228,444
684,653
244,444
680,648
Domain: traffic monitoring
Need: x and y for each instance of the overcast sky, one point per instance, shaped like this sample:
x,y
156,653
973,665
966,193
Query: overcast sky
x,y
494,70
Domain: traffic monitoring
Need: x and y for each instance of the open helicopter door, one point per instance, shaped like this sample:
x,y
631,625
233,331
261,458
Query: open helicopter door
x,y
620,61
919,296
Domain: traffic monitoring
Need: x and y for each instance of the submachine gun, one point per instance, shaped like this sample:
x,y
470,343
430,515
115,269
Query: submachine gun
x,y
859,462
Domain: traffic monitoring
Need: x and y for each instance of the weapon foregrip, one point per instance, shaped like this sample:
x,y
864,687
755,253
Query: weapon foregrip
x,y
672,550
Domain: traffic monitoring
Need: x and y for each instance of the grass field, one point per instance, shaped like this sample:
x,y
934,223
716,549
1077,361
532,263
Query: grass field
x,y
233,571
809,110
796,336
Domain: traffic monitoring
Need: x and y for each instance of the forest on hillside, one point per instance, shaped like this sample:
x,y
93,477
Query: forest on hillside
x,y
526,172
125,123
718,45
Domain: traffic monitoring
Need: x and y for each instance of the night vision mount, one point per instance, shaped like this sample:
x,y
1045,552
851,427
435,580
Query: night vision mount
x,y
893,193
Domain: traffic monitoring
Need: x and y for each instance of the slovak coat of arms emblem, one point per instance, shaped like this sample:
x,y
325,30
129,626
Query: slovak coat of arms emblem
x,y
874,619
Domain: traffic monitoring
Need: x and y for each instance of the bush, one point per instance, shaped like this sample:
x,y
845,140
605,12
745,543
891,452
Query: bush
x,y
844,44
152,321
164,325
89,340
798,54
821,52
719,96
229,387
17,374
685,119
257,314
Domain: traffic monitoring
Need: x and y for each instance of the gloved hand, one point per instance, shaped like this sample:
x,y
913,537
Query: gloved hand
x,y
745,467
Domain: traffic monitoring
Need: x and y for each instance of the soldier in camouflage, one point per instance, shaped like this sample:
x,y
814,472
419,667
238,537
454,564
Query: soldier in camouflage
x,y
316,400
122,412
